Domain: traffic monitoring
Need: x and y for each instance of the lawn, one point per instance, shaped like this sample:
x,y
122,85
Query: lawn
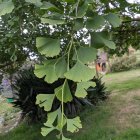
x,y
116,119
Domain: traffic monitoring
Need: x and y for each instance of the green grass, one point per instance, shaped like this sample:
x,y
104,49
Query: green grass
x,y
131,134
100,122
126,85
94,124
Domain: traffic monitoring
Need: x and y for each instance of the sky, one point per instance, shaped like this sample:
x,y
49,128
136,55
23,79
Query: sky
x,y
132,1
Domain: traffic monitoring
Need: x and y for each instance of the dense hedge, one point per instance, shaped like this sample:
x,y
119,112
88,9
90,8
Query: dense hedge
x,y
124,63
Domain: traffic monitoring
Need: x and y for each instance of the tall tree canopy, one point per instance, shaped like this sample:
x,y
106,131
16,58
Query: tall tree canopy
x,y
64,35
22,24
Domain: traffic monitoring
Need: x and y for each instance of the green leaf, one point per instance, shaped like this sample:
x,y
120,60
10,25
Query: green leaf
x,y
90,1
47,5
40,71
113,19
82,10
69,1
60,67
51,7
6,7
47,70
89,52
109,43
64,138
99,39
37,3
95,23
45,131
82,87
73,125
50,74
53,15
65,91
51,117
52,21
80,72
48,46
45,100
60,124
78,24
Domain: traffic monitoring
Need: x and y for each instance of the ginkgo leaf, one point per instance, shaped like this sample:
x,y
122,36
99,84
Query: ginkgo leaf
x,y
49,6
68,1
64,138
35,2
45,131
52,21
82,10
60,67
45,100
95,23
6,7
80,72
60,124
89,52
113,19
48,46
47,70
82,87
109,43
51,117
40,71
98,39
73,125
79,24
50,74
65,91
55,116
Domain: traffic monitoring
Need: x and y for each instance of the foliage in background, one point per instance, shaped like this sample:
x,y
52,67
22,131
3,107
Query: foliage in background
x,y
64,47
124,63
29,86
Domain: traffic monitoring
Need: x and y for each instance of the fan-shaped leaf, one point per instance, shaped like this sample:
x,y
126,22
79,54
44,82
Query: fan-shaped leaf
x,y
60,67
78,24
45,100
64,138
40,71
95,23
113,19
49,6
82,87
52,116
99,39
52,21
80,72
45,131
47,70
35,2
65,91
73,125
48,46
69,1
6,7
89,53
82,10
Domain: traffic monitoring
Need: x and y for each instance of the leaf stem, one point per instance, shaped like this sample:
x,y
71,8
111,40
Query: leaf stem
x,y
62,107
76,53
69,54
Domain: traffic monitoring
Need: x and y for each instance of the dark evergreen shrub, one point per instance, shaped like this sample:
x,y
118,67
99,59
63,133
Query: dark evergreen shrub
x,y
29,86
